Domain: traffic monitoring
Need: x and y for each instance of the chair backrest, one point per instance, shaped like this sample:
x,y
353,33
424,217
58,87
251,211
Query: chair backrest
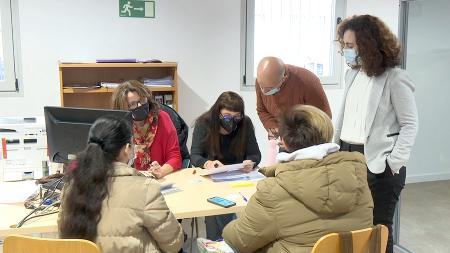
x,y
181,127
331,243
26,244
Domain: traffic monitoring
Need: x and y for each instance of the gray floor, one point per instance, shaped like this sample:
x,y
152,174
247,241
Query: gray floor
x,y
425,217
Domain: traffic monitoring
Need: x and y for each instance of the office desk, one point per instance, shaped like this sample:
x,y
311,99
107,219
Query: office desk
x,y
188,203
191,202
11,214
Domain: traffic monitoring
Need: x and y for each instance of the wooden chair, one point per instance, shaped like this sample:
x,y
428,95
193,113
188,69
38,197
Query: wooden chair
x,y
361,239
26,244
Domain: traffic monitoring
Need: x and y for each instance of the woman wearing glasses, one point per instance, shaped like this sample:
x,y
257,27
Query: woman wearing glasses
x,y
154,135
224,135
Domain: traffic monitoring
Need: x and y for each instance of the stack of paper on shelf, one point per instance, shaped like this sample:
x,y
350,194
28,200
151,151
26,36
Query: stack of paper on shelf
x,y
159,82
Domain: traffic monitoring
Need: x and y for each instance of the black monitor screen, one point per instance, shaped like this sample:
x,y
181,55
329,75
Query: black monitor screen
x,y
68,129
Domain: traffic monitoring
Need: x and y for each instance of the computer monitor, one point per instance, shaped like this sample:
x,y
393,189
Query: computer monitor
x,y
68,129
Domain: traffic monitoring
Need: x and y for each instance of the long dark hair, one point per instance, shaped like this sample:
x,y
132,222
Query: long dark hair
x,y
231,101
378,47
87,180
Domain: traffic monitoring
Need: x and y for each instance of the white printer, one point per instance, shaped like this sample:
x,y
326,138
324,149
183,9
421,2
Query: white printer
x,y
23,150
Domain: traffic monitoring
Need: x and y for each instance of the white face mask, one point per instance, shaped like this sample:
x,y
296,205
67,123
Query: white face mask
x,y
132,155
351,57
272,91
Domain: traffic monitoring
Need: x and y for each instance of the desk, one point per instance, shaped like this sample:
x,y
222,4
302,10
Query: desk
x,y
189,203
11,214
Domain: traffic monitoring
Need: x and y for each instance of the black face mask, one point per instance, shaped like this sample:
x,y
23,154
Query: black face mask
x,y
229,124
140,113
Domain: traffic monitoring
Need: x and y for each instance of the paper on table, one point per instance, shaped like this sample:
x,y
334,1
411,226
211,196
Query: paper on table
x,y
237,176
16,192
224,168
170,190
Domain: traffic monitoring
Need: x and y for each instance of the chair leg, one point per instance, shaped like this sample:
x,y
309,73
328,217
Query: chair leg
x,y
194,227
192,235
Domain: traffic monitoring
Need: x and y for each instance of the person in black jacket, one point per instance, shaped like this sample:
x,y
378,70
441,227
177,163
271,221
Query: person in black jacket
x,y
222,136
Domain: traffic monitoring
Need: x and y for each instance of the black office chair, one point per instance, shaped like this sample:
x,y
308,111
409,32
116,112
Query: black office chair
x,y
182,132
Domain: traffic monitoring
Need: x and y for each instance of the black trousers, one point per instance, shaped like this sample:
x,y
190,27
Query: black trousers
x,y
385,189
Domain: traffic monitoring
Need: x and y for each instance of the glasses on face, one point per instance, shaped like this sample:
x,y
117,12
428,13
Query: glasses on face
x,y
134,104
228,117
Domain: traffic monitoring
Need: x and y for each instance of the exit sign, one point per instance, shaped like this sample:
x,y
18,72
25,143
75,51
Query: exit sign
x,y
136,9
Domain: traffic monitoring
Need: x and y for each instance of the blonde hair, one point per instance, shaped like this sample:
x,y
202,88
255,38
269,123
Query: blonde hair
x,y
304,126
119,97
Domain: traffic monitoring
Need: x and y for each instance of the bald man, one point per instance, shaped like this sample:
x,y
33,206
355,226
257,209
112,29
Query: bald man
x,y
280,86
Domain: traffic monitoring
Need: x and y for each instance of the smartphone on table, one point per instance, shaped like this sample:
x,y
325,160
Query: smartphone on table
x,y
221,202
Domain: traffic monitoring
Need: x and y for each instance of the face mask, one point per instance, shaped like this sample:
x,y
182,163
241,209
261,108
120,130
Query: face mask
x,y
229,123
351,56
272,91
132,156
140,113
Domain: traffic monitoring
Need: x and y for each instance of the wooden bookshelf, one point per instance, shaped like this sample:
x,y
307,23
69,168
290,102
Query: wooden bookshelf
x,y
90,74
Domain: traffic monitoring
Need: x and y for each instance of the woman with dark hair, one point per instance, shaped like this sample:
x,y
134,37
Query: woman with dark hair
x,y
313,190
155,137
379,115
224,135
107,202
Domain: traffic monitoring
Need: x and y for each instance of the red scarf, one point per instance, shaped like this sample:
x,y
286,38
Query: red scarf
x,y
143,137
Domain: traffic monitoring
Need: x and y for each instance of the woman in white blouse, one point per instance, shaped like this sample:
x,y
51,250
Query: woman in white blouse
x,y
378,116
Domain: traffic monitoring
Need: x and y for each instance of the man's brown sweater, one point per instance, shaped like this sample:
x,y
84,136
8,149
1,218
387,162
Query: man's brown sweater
x,y
301,87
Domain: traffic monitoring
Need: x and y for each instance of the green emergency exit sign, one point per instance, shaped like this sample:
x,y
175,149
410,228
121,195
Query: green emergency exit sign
x,y
136,9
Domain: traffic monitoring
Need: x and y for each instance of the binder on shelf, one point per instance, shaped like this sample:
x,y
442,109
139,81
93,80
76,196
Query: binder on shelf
x,y
159,99
168,100
158,82
121,60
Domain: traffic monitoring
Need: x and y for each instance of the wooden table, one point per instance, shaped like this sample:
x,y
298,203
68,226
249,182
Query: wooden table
x,y
191,201
11,214
188,203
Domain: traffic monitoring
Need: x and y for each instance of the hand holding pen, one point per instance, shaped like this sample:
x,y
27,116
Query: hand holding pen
x,y
155,169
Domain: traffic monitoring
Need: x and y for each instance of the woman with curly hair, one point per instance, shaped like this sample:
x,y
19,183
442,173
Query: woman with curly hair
x,y
379,115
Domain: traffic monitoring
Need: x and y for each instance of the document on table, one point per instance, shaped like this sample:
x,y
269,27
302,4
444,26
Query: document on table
x,y
237,176
225,168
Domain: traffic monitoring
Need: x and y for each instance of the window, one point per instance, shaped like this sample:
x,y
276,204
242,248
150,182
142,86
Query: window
x,y
300,32
8,67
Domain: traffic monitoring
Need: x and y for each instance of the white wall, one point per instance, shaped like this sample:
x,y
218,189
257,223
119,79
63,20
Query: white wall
x,y
386,10
198,34
203,36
